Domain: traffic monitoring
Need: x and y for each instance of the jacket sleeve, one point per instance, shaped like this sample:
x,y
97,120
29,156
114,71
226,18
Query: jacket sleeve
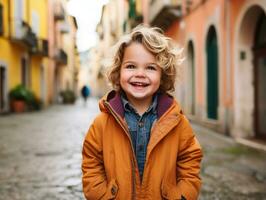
x,y
188,163
94,180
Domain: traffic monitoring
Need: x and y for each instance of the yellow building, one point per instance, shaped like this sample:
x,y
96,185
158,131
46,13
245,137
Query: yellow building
x,y
43,61
23,47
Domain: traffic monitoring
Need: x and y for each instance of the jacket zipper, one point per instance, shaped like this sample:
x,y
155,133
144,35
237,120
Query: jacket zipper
x,y
156,124
132,150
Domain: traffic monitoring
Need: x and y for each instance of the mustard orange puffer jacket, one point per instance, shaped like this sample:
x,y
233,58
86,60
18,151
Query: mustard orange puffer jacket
x,y
172,161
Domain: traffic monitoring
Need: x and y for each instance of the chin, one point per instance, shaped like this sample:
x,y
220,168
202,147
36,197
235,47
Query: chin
x,y
139,96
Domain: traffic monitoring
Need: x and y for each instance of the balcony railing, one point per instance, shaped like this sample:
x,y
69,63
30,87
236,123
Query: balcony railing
x,y
61,57
1,20
21,32
41,48
59,12
64,27
164,12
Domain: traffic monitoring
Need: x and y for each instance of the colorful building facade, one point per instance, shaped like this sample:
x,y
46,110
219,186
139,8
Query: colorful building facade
x,y
29,48
62,50
224,45
23,42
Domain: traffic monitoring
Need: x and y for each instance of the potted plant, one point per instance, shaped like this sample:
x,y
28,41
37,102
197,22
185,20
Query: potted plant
x,y
68,96
22,99
18,96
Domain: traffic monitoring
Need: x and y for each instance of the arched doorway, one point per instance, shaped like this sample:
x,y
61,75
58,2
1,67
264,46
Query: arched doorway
x,y
259,52
191,80
212,74
249,95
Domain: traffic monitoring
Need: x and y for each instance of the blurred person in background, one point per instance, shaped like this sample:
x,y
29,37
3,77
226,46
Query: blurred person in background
x,y
85,92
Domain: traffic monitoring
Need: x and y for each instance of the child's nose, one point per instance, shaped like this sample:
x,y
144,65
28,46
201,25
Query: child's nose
x,y
140,72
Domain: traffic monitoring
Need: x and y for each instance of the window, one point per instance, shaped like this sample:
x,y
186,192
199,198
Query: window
x,y
1,19
18,16
25,72
35,22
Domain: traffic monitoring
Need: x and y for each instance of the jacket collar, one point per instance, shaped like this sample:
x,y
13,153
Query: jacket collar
x,y
114,99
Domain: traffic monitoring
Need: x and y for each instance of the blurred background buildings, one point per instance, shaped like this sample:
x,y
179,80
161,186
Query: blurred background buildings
x,y
37,49
224,41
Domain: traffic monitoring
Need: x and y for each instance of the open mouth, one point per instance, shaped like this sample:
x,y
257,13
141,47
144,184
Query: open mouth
x,y
139,84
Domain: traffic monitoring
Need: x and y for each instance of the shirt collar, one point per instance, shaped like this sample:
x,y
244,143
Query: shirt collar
x,y
128,107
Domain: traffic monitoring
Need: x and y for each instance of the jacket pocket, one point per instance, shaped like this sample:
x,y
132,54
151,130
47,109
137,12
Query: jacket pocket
x,y
112,190
168,192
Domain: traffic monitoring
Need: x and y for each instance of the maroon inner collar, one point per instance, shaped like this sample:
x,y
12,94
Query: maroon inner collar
x,y
114,99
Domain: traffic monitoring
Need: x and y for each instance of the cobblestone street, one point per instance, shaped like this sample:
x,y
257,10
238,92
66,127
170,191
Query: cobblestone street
x,y
40,152
230,171
40,158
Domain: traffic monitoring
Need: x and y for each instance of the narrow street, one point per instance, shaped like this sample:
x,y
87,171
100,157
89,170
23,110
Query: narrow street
x,y
40,152
230,171
40,158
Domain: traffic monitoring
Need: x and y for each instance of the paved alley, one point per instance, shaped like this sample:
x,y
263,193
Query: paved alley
x,y
40,152
40,158
230,171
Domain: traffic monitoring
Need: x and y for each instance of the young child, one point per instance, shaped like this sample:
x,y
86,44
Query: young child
x,y
141,146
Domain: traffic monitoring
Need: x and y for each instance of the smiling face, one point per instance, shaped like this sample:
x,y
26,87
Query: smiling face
x,y
140,76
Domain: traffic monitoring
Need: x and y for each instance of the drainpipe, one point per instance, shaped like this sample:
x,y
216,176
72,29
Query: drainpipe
x,y
9,19
228,69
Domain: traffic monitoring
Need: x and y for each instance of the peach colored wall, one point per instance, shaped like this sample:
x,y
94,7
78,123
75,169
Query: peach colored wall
x,y
196,23
234,12
235,25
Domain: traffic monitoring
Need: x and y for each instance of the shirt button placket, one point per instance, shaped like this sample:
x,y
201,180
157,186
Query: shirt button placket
x,y
141,124
141,136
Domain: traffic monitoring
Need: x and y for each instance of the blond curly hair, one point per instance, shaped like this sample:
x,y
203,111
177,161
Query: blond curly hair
x,y
167,55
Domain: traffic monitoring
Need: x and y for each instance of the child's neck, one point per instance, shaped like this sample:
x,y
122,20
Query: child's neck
x,y
141,106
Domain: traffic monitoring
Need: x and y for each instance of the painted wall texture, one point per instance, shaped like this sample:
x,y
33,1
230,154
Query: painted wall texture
x,y
27,53
231,28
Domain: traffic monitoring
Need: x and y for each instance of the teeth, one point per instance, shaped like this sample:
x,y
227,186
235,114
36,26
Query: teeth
x,y
139,84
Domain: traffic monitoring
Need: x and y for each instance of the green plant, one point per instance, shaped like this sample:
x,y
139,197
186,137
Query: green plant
x,y
68,96
20,92
33,102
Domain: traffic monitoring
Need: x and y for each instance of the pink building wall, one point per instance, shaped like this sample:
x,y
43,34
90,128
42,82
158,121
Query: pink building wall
x,y
234,23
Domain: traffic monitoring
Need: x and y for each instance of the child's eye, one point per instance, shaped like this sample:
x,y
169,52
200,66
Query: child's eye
x,y
151,67
130,66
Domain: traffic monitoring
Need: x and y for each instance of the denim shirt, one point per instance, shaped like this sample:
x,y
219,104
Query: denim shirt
x,y
140,128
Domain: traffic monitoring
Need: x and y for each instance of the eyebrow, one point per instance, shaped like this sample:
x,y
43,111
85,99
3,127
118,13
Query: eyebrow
x,y
127,62
132,62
